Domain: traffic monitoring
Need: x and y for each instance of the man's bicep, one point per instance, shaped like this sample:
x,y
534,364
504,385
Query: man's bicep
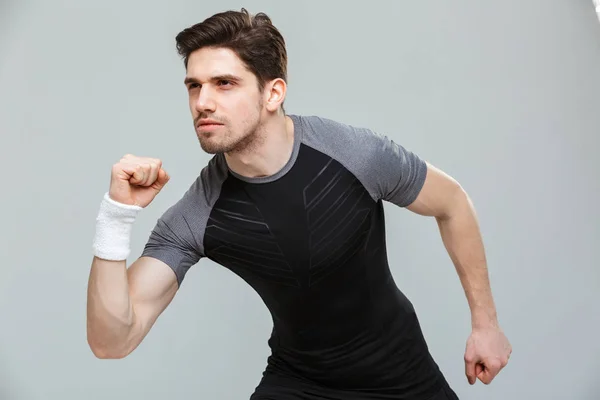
x,y
437,194
152,286
157,274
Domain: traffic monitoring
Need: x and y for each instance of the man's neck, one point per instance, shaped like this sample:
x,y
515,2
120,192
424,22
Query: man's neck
x,y
270,150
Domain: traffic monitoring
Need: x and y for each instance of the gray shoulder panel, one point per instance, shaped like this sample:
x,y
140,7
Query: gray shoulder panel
x,y
386,169
178,236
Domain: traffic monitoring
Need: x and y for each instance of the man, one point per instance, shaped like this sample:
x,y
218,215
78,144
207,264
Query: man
x,y
293,205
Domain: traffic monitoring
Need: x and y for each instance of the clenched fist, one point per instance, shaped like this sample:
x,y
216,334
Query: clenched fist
x,y
487,352
137,180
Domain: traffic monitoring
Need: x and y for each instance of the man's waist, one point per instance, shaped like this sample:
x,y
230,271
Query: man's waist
x,y
349,331
379,357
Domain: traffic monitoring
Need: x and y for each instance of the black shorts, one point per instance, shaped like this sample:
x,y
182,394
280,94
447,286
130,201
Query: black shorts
x,y
274,387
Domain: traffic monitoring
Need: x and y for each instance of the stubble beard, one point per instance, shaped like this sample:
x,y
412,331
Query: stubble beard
x,y
230,143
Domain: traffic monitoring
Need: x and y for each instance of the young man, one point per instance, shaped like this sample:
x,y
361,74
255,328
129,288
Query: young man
x,y
293,205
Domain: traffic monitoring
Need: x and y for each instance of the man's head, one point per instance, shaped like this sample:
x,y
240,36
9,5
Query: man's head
x,y
236,74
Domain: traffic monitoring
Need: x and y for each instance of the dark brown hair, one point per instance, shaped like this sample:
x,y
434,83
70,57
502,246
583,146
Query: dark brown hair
x,y
252,37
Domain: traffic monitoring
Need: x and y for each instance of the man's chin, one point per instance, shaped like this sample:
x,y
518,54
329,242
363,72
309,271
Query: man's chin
x,y
213,148
210,149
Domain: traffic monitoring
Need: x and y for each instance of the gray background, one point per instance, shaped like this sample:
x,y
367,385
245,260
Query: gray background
x,y
503,95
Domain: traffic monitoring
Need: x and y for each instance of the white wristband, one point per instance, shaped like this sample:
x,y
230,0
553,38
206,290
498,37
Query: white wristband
x,y
113,229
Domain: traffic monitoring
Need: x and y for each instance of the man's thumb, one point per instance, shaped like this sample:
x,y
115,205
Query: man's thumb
x,y
162,179
479,369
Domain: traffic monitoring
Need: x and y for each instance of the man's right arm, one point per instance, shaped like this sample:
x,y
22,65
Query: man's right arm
x,y
124,303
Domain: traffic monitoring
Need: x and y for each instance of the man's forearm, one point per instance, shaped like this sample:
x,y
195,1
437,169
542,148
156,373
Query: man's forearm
x,y
462,238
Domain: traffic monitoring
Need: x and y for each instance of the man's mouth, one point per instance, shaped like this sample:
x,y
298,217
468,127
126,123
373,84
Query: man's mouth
x,y
208,123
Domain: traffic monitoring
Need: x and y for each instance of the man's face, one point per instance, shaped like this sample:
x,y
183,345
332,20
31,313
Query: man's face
x,y
223,91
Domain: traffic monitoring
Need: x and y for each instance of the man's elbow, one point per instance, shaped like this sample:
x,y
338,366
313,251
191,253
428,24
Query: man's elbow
x,y
105,352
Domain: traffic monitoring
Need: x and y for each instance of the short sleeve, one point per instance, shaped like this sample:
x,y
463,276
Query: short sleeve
x,y
172,242
178,236
397,174
386,169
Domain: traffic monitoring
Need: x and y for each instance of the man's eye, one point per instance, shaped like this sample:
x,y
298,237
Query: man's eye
x,y
224,82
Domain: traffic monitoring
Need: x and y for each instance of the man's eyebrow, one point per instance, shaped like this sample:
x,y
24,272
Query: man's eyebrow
x,y
223,77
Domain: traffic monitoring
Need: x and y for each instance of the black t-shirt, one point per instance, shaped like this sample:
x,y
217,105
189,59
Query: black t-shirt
x,y
311,241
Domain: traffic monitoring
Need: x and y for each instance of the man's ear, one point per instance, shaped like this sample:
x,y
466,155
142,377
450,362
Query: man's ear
x,y
275,92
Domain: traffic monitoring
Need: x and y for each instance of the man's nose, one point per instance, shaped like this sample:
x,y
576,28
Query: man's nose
x,y
205,101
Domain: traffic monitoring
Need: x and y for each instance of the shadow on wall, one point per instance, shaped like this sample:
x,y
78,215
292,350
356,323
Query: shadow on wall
x,y
593,391
10,389
6,393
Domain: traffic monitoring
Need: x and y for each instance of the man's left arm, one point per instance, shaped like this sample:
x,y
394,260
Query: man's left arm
x,y
393,173
443,197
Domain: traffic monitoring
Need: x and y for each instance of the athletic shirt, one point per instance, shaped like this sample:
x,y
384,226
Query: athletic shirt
x,y
311,241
